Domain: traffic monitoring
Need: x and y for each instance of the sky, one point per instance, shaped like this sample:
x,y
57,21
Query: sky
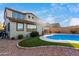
x,y
66,14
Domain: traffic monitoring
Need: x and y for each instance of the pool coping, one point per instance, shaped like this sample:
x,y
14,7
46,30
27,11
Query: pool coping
x,y
61,41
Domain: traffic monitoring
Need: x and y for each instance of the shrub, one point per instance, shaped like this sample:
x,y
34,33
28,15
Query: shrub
x,y
20,36
77,32
34,34
13,38
73,32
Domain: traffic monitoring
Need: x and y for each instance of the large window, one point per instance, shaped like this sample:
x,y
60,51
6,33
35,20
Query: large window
x,y
20,27
31,27
8,26
29,17
18,15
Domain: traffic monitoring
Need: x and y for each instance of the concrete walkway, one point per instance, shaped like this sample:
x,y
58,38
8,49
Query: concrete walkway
x,y
8,48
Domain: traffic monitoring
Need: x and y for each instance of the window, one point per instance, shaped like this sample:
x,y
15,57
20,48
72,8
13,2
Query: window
x,y
20,27
29,17
18,15
32,17
8,26
31,27
14,15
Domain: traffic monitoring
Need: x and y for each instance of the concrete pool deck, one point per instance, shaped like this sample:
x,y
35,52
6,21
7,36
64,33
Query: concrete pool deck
x,y
9,48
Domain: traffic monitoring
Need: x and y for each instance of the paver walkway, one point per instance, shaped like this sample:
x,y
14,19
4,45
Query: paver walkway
x,y
8,48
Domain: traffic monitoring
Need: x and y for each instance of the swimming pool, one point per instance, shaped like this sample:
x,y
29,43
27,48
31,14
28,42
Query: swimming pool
x,y
61,38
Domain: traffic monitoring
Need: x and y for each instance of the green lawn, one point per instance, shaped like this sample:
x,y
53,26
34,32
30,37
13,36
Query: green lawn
x,y
36,41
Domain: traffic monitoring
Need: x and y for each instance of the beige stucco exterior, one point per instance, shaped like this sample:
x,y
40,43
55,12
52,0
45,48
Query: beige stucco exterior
x,y
8,13
13,32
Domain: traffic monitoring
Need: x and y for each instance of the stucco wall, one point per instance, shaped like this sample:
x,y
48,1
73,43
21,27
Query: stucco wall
x,y
14,33
40,29
30,19
8,13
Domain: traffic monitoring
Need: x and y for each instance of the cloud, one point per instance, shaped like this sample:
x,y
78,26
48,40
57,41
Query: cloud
x,y
65,21
50,19
1,16
57,4
58,9
73,8
70,22
53,4
41,11
46,16
55,7
77,5
74,21
1,4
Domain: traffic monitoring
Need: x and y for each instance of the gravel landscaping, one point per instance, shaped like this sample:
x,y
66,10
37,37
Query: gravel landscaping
x,y
9,48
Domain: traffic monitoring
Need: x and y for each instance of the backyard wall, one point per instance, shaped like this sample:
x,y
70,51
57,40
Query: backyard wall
x,y
66,30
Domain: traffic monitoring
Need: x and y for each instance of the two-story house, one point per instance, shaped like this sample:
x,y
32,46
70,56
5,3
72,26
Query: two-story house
x,y
17,23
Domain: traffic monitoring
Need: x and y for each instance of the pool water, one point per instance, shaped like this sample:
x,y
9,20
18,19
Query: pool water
x,y
64,37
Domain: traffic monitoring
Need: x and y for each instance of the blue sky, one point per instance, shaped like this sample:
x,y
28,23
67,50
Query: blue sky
x,y
67,14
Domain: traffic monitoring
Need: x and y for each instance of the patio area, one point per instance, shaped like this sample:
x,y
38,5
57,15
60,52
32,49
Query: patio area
x,y
9,48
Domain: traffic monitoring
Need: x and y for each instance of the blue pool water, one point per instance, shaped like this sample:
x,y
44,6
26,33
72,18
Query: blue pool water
x,y
63,37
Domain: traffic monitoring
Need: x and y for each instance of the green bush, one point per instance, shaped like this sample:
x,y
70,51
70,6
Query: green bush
x,y
20,36
34,34
73,32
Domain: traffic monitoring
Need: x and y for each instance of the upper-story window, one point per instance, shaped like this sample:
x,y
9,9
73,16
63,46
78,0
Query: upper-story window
x,y
29,17
18,15
32,17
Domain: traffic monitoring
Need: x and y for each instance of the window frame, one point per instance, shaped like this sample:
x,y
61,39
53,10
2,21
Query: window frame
x,y
29,17
32,17
8,26
17,15
17,29
30,30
